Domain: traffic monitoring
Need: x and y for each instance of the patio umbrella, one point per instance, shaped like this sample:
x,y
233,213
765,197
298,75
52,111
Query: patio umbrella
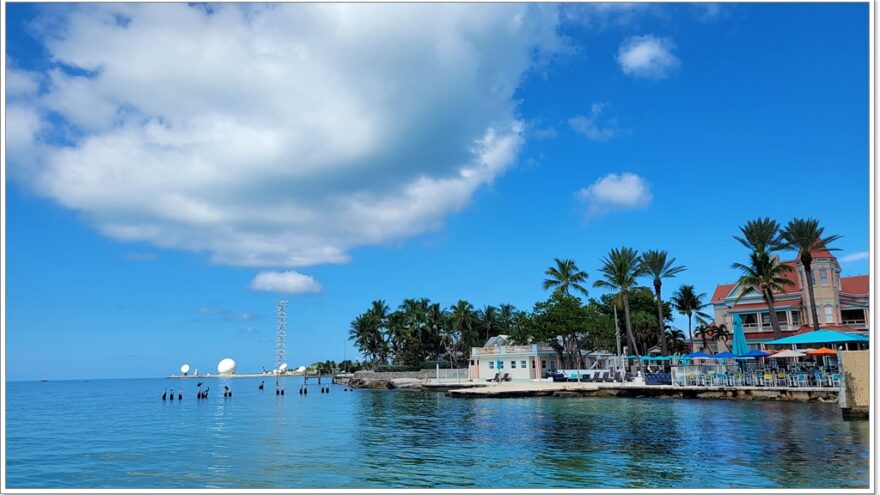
x,y
820,337
755,353
724,355
787,354
822,351
697,355
739,337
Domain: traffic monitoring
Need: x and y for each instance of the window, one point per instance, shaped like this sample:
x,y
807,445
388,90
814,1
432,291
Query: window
x,y
544,365
522,364
795,317
812,278
823,276
783,317
513,364
500,365
765,319
491,365
829,314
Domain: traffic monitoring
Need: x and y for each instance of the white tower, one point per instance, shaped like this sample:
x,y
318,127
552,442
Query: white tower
x,y
281,335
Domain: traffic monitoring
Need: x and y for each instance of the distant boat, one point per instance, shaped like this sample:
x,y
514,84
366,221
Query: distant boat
x,y
44,381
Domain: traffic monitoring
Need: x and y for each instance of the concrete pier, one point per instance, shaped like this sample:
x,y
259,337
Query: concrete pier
x,y
570,389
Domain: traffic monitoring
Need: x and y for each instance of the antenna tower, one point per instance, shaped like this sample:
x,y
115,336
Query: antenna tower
x,y
281,335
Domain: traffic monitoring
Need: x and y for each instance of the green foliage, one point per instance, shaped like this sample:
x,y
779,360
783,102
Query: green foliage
x,y
396,368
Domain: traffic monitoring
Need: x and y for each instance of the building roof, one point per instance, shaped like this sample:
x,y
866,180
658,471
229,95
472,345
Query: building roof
x,y
762,305
497,341
860,284
721,292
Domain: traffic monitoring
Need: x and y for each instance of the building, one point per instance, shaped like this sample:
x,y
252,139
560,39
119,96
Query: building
x,y
520,362
841,303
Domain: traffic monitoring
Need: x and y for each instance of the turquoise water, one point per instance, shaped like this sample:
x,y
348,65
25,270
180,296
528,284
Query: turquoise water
x,y
120,434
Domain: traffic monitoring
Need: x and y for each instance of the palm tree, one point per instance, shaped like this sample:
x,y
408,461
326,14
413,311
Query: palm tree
x,y
620,269
761,234
487,319
656,264
378,312
704,331
720,333
565,276
766,273
687,302
675,340
805,235
464,319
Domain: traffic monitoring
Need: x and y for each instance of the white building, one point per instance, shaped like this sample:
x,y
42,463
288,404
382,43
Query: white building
x,y
519,362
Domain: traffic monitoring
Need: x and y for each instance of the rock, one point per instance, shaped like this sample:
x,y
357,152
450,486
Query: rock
x,y
406,383
369,383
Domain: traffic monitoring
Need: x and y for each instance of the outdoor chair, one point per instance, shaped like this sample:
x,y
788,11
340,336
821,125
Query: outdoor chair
x,y
506,377
589,378
608,377
802,381
494,378
781,378
767,380
835,380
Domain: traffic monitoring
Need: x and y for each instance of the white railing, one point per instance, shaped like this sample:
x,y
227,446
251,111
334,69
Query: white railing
x,y
754,327
455,375
855,323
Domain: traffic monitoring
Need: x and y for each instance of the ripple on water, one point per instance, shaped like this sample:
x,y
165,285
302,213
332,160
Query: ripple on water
x,y
119,434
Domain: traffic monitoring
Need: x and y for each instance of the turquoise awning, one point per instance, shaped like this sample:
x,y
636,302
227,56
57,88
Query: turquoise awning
x,y
820,337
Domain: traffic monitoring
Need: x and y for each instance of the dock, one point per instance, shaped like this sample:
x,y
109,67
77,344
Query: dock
x,y
629,389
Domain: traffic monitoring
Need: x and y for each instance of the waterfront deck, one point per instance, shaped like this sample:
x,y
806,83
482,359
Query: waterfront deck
x,y
571,389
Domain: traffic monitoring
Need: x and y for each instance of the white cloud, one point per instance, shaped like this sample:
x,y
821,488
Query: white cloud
x,y
589,126
849,258
289,282
616,192
278,135
647,56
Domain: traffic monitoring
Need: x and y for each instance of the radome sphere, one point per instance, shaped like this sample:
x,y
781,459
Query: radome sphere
x,y
226,367
185,368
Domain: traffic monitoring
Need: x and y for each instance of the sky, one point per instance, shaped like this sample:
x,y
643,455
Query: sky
x,y
174,170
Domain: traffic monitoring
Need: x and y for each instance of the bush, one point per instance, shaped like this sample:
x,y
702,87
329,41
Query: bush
x,y
395,368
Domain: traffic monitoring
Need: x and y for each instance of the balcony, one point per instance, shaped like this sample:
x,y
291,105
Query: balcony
x,y
855,324
755,327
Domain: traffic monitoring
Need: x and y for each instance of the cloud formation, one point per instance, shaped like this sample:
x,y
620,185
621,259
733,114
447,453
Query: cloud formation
x,y
588,125
647,56
849,258
279,135
289,282
615,192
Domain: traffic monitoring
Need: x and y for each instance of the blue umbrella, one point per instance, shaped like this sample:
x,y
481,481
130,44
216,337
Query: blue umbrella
x,y
755,353
739,337
724,355
697,355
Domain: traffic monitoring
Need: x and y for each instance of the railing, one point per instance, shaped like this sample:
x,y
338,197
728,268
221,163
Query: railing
x,y
855,323
754,327
511,349
447,375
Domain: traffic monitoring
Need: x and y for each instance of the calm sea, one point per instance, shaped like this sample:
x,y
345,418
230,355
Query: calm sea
x,y
120,434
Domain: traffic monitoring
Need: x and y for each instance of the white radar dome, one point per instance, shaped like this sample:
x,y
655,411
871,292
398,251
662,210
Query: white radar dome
x,y
184,369
301,369
282,367
226,367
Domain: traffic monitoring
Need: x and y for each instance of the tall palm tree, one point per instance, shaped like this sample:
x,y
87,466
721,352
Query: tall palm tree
x,y
565,276
704,331
805,235
487,319
464,319
620,269
765,272
378,312
720,333
659,265
675,338
687,302
761,234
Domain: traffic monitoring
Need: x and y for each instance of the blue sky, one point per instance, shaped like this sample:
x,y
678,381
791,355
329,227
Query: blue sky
x,y
162,157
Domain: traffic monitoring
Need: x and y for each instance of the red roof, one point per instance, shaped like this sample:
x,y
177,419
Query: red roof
x,y
721,292
855,285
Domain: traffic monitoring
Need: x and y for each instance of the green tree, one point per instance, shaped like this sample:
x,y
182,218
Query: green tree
x,y
689,303
767,274
565,276
620,269
720,333
675,340
487,321
568,326
658,265
761,234
805,235
464,319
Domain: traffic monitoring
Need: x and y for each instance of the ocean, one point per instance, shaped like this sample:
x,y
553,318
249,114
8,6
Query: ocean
x,y
120,434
